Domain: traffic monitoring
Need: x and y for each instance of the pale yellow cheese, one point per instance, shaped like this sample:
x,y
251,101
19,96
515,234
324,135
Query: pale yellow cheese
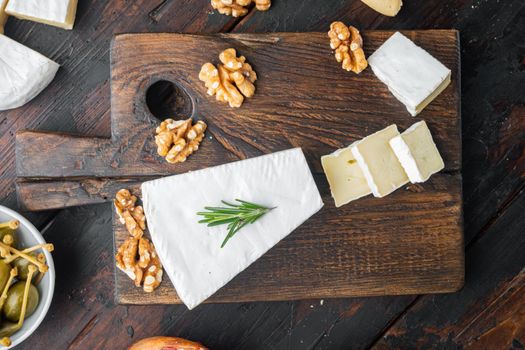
x,y
385,7
3,15
58,13
379,164
417,152
346,179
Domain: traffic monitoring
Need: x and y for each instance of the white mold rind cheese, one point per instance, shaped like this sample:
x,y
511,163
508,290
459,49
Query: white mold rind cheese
x,y
412,75
191,252
24,73
58,13
345,177
379,163
417,152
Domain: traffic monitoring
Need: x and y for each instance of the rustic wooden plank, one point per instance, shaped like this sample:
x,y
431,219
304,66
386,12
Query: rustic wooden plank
x,y
494,266
316,119
407,243
332,115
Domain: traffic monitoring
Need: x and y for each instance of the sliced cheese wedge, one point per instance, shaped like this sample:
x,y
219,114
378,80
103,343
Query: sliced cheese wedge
x,y
412,75
379,163
58,13
191,253
417,152
3,15
385,7
346,179
24,73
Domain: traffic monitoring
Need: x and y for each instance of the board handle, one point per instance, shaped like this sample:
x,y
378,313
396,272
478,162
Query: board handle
x,y
48,195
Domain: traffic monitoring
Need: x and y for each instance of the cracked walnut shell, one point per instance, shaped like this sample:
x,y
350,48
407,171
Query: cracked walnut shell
x,y
177,139
348,45
231,81
237,8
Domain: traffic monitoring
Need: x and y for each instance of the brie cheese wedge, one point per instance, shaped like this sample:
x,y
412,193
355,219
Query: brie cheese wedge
x,y
191,253
345,177
417,152
379,163
24,73
412,75
3,15
385,7
58,13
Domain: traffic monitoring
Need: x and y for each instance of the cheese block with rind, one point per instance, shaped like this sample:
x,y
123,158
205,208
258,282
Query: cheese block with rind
x,y
379,163
191,252
412,75
24,73
345,177
417,152
58,13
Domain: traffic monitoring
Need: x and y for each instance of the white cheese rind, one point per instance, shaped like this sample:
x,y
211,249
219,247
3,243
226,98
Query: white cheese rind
x,y
417,152
412,75
24,73
190,252
379,163
59,13
345,177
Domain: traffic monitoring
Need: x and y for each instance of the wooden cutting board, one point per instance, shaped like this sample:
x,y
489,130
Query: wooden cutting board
x,y
410,242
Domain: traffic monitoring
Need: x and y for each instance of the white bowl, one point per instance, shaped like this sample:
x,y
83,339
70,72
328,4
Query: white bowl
x,y
28,235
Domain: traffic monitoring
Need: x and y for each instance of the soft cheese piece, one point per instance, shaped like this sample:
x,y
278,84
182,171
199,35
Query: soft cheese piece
x,y
379,164
58,13
346,179
191,252
3,15
24,73
385,7
412,75
417,152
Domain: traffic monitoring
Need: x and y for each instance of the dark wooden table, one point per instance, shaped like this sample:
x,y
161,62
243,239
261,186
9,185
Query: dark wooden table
x,y
488,313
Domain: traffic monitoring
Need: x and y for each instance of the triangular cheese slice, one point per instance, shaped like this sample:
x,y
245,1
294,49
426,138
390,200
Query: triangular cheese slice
x,y
191,253
24,73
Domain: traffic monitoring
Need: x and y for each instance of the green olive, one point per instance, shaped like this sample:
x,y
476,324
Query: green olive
x,y
4,274
15,298
4,236
22,266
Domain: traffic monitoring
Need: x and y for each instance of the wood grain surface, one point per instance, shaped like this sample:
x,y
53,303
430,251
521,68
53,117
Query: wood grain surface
x,y
493,129
408,243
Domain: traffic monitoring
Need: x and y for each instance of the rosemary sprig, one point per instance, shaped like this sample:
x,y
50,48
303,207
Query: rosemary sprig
x,y
235,215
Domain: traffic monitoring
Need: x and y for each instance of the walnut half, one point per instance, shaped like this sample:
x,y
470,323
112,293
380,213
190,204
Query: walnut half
x,y
348,45
231,81
238,8
137,258
130,215
177,139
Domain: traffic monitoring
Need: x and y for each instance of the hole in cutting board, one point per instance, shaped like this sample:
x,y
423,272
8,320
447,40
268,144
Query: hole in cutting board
x,y
167,100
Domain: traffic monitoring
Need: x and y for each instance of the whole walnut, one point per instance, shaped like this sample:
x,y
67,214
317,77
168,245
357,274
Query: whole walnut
x,y
238,8
231,81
